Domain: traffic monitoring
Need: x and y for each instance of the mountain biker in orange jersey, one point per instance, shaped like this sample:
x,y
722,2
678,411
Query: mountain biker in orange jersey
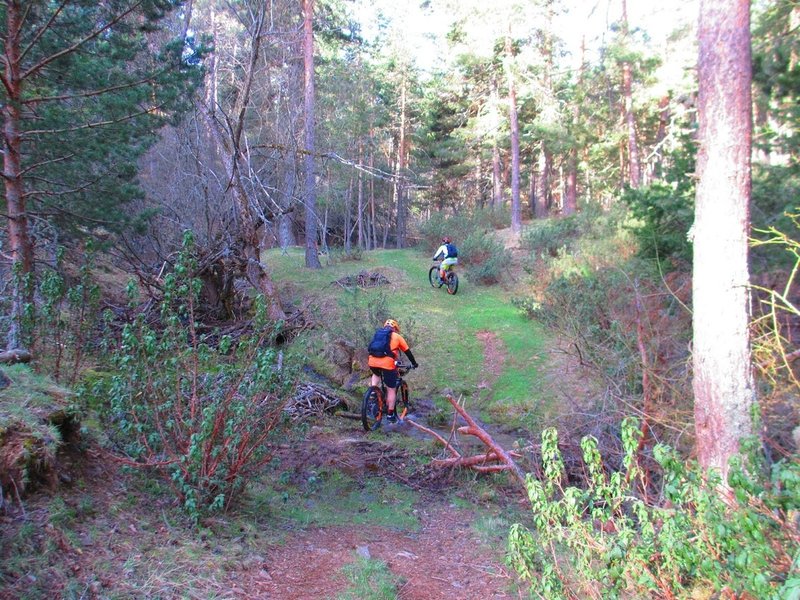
x,y
386,365
449,255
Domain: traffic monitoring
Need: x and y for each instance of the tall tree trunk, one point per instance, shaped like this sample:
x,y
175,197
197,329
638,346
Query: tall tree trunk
x,y
360,217
532,188
309,193
544,198
497,182
516,209
19,239
571,193
399,171
372,212
723,386
348,214
634,166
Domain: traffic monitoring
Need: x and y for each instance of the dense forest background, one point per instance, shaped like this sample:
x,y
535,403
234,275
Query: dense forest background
x,y
629,185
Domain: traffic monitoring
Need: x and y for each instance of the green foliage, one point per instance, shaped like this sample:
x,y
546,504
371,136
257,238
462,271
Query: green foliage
x,y
485,258
549,237
590,309
610,543
60,329
664,213
202,413
369,580
774,204
90,113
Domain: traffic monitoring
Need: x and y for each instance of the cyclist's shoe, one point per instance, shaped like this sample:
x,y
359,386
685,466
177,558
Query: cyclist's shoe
x,y
391,417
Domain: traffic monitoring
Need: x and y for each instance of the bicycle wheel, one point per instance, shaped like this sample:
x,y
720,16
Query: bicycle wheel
x,y
433,277
401,405
452,283
372,409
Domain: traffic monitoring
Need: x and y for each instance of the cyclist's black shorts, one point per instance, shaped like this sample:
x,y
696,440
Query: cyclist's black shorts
x,y
389,376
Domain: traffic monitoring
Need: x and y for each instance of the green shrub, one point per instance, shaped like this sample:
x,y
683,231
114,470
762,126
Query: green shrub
x,y
62,325
198,412
549,236
663,215
483,257
604,541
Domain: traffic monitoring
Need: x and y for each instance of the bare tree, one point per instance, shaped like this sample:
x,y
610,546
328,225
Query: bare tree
x,y
724,392
310,195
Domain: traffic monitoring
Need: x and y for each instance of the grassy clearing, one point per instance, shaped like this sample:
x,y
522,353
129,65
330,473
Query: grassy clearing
x,y
441,329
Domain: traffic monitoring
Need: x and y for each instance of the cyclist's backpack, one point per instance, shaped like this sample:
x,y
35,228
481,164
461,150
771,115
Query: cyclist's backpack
x,y
452,251
380,345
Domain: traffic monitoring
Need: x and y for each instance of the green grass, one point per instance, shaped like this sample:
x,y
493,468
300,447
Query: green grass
x,y
369,580
328,498
441,329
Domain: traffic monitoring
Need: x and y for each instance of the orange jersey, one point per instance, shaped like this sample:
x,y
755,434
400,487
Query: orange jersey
x,y
397,342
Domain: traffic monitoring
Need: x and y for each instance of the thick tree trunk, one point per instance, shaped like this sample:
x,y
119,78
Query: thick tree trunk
x,y
20,242
516,209
309,193
723,381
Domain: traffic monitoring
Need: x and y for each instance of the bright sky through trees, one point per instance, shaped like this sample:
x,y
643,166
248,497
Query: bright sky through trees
x,y
422,26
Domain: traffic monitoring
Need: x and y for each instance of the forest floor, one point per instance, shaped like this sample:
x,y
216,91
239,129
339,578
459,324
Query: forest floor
x,y
334,496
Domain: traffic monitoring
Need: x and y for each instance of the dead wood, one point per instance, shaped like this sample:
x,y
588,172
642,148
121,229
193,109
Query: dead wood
x,y
364,279
494,454
313,400
18,355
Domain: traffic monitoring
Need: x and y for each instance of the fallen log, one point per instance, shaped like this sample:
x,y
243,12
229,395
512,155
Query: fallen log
x,y
12,357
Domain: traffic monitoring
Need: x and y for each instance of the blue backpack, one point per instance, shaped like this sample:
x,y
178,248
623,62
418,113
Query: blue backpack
x,y
452,251
380,345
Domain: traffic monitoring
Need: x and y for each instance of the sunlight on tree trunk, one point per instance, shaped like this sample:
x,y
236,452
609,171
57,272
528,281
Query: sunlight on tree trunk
x,y
723,381
516,211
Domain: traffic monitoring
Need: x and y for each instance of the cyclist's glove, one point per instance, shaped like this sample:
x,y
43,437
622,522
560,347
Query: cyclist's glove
x,y
414,366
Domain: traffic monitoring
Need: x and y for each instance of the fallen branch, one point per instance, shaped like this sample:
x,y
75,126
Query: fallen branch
x,y
494,454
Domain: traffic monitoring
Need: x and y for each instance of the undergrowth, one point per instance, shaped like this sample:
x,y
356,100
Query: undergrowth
x,y
605,541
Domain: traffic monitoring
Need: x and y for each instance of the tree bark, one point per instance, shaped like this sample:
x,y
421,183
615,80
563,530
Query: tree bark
x,y
634,166
400,167
723,381
310,194
544,198
516,210
19,239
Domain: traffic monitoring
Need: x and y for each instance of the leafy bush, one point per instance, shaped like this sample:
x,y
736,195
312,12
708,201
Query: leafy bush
x,y
198,412
664,214
483,258
548,236
604,541
60,327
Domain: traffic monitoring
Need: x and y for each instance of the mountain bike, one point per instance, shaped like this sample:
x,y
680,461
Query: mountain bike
x,y
451,279
374,409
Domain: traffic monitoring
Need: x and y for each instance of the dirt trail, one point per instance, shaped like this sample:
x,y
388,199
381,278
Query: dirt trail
x,y
442,560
